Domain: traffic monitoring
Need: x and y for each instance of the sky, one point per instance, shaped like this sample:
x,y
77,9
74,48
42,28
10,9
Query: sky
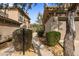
x,y
33,13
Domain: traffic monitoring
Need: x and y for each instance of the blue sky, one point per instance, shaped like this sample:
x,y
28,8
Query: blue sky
x,y
33,13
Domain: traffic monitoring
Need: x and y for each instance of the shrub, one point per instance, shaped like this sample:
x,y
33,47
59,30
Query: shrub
x,y
60,11
40,33
53,38
18,39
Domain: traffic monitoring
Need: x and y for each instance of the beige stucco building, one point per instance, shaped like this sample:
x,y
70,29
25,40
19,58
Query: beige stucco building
x,y
17,14
56,20
11,20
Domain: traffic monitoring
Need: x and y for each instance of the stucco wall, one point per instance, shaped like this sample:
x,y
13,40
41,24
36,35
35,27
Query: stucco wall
x,y
77,30
62,28
48,25
51,24
7,30
12,14
27,22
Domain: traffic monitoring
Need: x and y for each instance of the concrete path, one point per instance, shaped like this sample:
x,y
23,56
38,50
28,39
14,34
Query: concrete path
x,y
41,49
7,51
10,51
76,53
46,52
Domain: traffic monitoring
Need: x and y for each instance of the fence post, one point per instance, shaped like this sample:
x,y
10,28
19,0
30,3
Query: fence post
x,y
23,41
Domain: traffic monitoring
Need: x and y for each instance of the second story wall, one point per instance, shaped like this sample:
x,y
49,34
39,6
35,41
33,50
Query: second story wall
x,y
27,21
12,14
18,15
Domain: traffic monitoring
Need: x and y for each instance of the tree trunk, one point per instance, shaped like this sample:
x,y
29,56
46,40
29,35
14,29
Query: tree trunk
x,y
70,35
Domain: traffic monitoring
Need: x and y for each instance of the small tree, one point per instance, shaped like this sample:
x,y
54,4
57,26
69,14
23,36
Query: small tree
x,y
39,18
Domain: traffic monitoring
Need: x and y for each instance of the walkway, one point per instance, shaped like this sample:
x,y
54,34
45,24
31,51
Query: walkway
x,y
10,51
76,53
41,48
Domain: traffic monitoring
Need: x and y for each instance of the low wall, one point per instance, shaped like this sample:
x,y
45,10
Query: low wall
x,y
6,30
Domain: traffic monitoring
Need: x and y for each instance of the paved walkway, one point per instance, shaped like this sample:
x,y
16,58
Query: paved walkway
x,y
39,47
9,51
41,51
76,53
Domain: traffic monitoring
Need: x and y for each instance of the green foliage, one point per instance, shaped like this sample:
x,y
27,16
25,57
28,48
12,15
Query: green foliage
x,y
53,38
37,27
40,33
40,27
60,11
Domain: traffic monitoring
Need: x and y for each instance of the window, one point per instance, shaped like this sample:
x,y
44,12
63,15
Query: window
x,y
0,37
20,18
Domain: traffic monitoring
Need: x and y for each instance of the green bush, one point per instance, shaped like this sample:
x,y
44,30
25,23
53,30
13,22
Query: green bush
x,y
60,11
40,33
18,41
53,38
